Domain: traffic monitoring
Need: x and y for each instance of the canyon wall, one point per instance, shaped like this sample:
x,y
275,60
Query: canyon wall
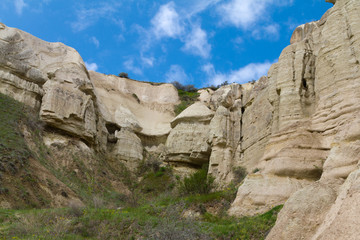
x,y
296,130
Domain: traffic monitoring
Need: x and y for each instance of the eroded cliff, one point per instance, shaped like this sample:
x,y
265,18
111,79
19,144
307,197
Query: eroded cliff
x,y
296,130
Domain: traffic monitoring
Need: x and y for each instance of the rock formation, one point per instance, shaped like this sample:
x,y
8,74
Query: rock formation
x,y
296,130
137,115
316,135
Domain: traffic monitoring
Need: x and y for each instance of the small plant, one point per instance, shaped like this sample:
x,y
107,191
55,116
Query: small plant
x,y
123,75
185,88
152,164
239,174
187,98
136,97
256,170
197,183
75,209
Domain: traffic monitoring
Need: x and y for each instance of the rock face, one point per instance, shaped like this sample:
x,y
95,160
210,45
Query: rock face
x,y
142,107
49,76
187,141
296,130
137,115
315,132
109,113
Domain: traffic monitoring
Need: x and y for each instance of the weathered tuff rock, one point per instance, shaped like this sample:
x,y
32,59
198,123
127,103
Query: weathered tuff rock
x,y
187,141
49,76
53,78
142,107
312,92
137,115
297,129
315,133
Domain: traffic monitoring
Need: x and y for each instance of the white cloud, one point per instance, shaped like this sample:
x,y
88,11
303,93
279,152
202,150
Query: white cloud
x,y
196,43
238,40
194,7
271,32
242,13
86,17
166,22
245,13
129,65
91,66
147,61
173,21
252,71
176,73
19,6
120,38
95,41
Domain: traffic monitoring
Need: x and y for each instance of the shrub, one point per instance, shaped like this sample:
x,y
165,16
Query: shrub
x,y
197,183
187,98
150,164
136,97
186,88
239,174
76,209
123,75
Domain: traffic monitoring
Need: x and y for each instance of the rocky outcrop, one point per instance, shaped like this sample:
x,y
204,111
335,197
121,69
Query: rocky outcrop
x,y
137,115
188,140
225,133
142,107
309,109
52,77
296,130
49,76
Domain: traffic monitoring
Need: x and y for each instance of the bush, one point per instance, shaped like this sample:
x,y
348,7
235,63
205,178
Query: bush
x,y
197,183
187,99
186,88
239,174
150,164
123,75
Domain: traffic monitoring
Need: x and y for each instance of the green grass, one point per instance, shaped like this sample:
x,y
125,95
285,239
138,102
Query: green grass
x,y
13,149
186,98
151,221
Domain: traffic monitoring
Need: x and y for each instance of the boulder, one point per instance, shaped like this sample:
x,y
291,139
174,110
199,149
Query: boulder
x,y
128,148
188,140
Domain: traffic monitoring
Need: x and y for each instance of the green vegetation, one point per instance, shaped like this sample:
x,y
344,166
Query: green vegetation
x,y
29,169
186,98
123,75
197,183
160,219
188,95
136,97
239,174
13,149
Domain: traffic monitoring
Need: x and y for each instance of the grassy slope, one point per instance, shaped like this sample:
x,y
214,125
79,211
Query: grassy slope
x,y
160,219
33,177
13,150
18,182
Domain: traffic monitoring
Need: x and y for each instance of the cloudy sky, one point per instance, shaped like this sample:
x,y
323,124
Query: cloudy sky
x,y
200,42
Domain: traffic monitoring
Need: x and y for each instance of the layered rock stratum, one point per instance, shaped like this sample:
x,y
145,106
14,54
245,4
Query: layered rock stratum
x,y
296,130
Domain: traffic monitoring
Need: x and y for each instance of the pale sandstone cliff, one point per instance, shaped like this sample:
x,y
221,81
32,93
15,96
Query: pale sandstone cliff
x,y
299,125
137,115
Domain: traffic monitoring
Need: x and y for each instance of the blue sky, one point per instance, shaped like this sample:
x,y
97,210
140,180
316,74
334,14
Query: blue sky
x,y
200,42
